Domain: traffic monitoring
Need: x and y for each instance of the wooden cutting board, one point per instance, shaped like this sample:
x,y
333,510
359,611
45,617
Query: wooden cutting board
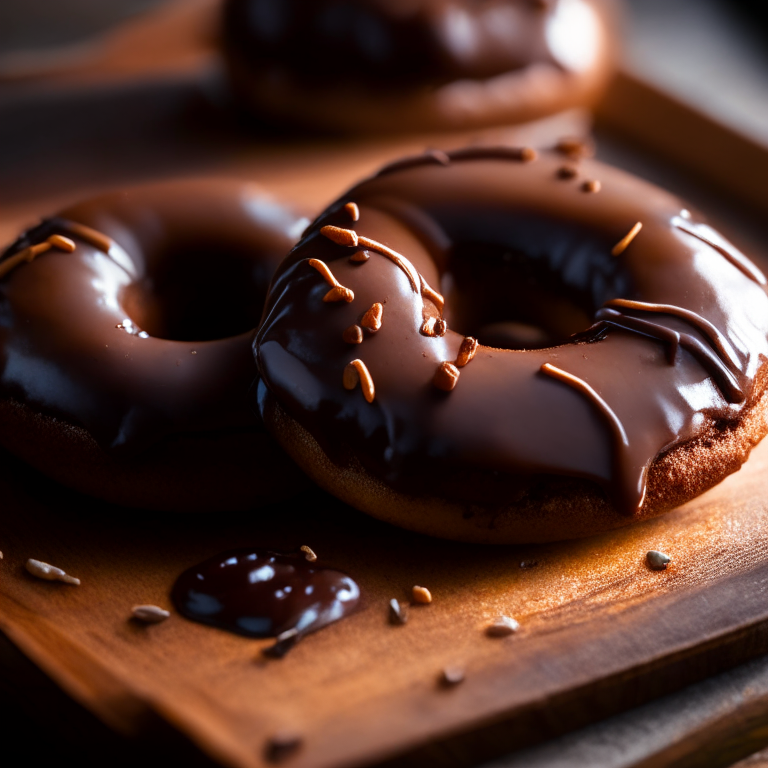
x,y
599,631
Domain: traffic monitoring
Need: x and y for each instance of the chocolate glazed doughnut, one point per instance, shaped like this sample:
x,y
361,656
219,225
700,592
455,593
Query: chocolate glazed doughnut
x,y
399,65
634,373
126,324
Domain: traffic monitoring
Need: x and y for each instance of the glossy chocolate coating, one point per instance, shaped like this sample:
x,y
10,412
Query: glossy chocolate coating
x,y
151,339
260,593
509,240
436,62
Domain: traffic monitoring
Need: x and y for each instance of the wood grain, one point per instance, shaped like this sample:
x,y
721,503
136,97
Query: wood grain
x,y
600,632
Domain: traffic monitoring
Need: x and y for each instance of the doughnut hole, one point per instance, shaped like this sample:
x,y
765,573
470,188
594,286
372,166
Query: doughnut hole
x,y
198,293
512,299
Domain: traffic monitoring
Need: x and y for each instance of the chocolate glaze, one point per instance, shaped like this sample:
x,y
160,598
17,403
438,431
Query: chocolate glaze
x,y
509,240
261,593
408,44
387,65
151,338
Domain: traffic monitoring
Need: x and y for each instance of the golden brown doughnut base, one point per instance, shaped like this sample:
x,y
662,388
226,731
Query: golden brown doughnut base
x,y
545,508
235,471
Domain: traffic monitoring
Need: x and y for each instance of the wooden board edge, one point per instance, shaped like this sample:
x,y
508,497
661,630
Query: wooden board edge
x,y
650,117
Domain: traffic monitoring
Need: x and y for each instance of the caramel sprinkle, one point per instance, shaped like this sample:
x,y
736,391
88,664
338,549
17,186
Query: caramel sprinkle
x,y
421,595
91,236
567,172
434,326
353,335
340,236
593,185
353,211
467,351
372,318
394,256
528,154
309,553
338,292
28,254
360,256
357,371
431,294
446,376
621,246
573,147
62,243
323,269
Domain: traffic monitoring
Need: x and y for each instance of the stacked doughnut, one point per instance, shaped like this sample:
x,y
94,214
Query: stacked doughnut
x,y
500,345
402,65
125,345
490,344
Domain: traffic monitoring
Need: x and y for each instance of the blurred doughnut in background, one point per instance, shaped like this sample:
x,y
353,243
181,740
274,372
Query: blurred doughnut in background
x,y
401,65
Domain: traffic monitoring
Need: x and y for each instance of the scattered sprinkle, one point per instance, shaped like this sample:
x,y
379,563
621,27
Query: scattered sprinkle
x,y
360,256
282,745
339,235
467,351
434,327
324,270
452,676
411,273
50,572
309,554
657,561
446,376
339,293
357,371
150,614
574,148
398,614
62,243
528,154
421,595
353,211
593,185
283,643
31,252
372,318
430,293
353,335
502,626
621,246
91,236
567,172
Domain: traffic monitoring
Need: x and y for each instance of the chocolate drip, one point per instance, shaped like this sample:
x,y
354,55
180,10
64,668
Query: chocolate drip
x,y
427,158
725,380
707,329
730,253
261,593
634,493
